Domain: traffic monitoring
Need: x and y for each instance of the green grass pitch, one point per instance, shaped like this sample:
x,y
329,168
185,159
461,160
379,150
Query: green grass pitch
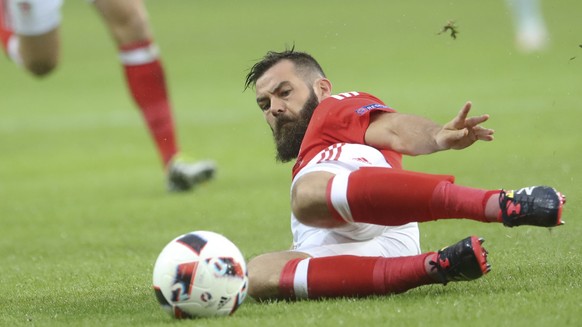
x,y
83,207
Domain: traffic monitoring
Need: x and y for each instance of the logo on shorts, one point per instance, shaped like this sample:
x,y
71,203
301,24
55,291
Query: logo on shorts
x,y
362,110
362,159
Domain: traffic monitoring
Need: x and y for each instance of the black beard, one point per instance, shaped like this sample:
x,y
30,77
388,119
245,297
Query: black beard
x,y
289,132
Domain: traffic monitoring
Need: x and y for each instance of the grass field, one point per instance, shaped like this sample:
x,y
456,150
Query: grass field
x,y
83,207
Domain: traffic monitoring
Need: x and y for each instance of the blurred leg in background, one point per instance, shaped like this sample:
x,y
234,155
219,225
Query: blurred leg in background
x,y
531,33
128,23
29,32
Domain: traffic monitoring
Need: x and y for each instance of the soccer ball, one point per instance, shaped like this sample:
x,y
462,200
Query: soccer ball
x,y
200,274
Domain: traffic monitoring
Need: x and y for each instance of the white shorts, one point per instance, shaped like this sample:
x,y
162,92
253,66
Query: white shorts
x,y
354,238
33,17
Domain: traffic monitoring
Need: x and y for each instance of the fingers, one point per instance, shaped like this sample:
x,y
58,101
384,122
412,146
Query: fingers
x,y
483,134
459,121
474,121
463,131
465,110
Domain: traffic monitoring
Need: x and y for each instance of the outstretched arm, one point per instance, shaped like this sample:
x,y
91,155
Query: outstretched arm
x,y
415,135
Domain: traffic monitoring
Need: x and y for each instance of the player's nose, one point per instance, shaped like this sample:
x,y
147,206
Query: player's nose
x,y
277,108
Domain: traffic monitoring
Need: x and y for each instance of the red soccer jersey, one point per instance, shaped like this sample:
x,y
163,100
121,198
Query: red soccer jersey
x,y
342,118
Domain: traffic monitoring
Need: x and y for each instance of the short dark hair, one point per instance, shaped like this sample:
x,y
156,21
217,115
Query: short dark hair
x,y
303,61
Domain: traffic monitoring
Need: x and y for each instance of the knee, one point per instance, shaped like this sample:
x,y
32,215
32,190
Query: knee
x,y
131,27
309,202
135,26
303,202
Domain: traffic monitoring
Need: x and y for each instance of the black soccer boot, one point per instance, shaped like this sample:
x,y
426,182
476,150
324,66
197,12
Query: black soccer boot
x,y
534,205
465,260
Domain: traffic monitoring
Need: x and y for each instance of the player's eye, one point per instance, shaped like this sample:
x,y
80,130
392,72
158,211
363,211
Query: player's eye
x,y
265,106
285,93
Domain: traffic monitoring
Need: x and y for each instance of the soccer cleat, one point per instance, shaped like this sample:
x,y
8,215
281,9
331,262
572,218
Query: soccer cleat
x,y
535,205
184,175
465,260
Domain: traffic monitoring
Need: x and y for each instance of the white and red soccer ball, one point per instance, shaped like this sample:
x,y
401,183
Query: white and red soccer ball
x,y
200,274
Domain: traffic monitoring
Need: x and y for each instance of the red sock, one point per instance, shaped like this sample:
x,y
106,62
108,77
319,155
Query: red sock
x,y
393,197
454,201
351,276
146,80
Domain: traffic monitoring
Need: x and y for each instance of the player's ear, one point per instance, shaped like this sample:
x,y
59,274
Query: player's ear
x,y
322,88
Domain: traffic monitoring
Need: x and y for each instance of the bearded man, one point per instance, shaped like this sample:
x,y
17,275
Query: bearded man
x,y
354,210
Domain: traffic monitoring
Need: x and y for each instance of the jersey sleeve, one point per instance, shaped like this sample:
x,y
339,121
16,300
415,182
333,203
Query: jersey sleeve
x,y
348,117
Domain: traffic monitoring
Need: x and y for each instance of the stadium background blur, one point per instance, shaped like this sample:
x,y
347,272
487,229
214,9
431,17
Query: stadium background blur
x,y
83,216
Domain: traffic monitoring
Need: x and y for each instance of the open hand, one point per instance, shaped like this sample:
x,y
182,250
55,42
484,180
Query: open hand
x,y
462,132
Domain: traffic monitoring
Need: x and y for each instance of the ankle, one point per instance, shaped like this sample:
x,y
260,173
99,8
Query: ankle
x,y
429,266
492,212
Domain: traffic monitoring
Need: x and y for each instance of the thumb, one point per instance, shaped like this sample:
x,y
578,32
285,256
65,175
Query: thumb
x,y
453,136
